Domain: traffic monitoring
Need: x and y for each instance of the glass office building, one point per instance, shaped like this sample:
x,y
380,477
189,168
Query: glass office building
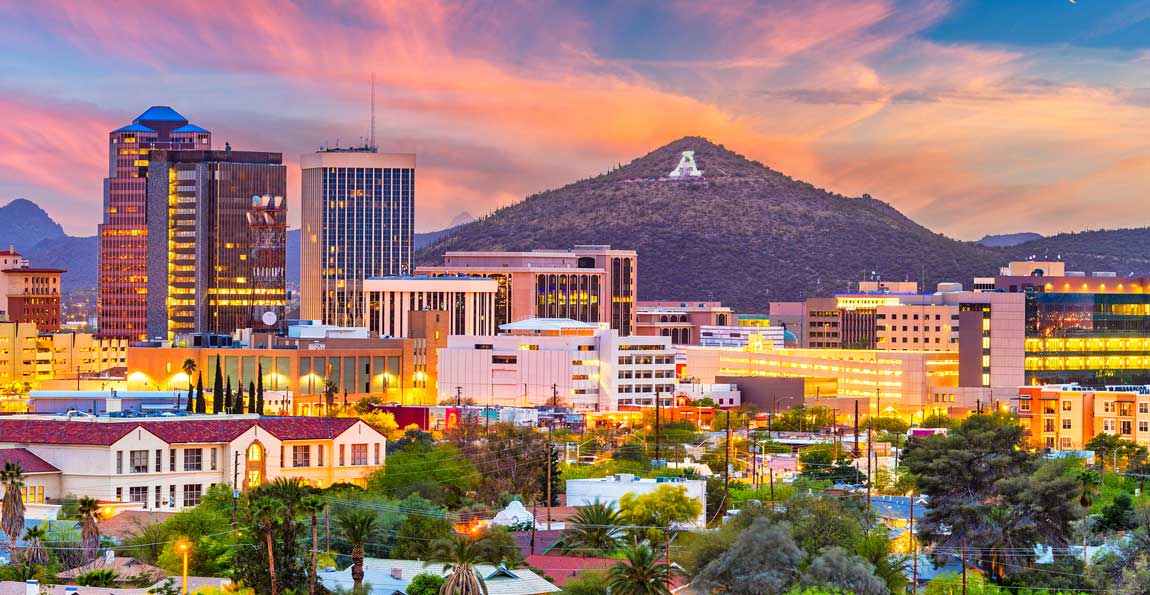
x,y
358,221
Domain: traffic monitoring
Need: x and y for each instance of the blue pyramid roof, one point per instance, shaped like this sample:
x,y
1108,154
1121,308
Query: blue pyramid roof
x,y
189,128
160,113
133,128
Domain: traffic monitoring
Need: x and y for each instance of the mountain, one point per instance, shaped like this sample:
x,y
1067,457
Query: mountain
x,y
1123,251
24,224
1007,240
743,234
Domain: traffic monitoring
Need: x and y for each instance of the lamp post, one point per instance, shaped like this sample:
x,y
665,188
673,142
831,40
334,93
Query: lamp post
x,y
183,547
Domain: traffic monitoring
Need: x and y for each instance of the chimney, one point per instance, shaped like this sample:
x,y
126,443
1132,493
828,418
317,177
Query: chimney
x,y
397,573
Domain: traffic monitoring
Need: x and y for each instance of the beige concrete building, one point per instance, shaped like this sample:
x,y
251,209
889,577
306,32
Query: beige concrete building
x,y
469,303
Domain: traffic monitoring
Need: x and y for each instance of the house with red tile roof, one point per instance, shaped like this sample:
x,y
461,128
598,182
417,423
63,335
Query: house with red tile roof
x,y
166,464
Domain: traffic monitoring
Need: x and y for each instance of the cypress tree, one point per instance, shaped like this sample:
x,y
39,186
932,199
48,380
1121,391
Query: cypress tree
x,y
201,401
259,402
252,405
226,396
201,406
217,388
236,405
259,387
191,406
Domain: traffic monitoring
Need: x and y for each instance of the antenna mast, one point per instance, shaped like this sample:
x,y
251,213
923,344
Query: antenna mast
x,y
373,110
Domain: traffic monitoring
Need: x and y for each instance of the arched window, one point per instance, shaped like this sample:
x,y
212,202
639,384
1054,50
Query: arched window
x,y
255,469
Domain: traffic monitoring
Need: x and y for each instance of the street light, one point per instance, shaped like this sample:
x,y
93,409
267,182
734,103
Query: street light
x,y
183,547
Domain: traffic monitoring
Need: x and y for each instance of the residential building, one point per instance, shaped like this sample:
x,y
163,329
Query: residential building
x,y
564,362
122,304
402,371
468,301
1067,416
1091,330
586,283
29,294
357,222
679,320
609,490
216,236
170,463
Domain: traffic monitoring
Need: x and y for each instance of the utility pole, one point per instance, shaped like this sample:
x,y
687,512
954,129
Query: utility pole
x,y
550,455
727,462
963,567
555,396
235,486
657,408
913,546
869,465
857,452
458,396
772,470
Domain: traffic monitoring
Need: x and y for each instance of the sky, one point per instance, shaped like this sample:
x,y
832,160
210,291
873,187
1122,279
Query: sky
x,y
969,116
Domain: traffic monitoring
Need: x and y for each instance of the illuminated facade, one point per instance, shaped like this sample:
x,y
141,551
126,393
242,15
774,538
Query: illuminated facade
x,y
1091,330
1066,417
575,364
123,272
29,294
358,221
400,371
27,356
904,381
468,301
587,283
217,224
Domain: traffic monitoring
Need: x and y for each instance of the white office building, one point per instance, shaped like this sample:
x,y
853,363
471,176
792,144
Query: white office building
x,y
544,361
468,301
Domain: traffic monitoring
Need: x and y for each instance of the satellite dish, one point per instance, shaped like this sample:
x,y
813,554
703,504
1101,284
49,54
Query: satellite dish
x,y
269,318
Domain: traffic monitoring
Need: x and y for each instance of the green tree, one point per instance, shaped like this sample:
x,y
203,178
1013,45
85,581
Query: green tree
x,y
763,560
12,507
357,526
34,550
259,392
278,502
588,582
641,574
425,584
840,569
218,387
439,474
251,396
818,463
266,511
875,548
593,530
312,506
818,523
89,510
100,577
459,555
657,513
417,535
201,404
1119,515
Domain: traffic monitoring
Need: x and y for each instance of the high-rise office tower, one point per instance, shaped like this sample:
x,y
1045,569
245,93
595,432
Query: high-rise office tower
x,y
122,306
217,224
357,219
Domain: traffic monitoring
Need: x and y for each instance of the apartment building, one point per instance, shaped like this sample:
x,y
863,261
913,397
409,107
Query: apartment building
x,y
1067,416
169,464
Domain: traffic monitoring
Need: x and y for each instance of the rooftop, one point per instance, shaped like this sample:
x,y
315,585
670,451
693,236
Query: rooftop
x,y
160,113
547,324
29,463
133,128
198,430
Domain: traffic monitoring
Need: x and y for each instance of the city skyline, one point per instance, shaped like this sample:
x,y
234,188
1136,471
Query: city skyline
x,y
970,117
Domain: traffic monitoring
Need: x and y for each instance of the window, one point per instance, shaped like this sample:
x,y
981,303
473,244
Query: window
x,y
193,461
1067,406
358,454
214,459
1144,426
341,460
1108,425
159,496
1066,424
1127,427
172,496
319,455
1143,407
376,453
1107,406
301,456
159,460
138,494
138,461
192,493
119,462
1024,406
172,460
119,494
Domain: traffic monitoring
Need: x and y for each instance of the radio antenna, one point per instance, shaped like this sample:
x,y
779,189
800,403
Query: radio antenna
x,y
373,111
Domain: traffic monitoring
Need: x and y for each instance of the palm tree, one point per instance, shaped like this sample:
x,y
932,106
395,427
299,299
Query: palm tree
x,y
460,554
641,574
89,530
12,515
266,510
311,506
1088,483
189,368
357,526
593,530
34,550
